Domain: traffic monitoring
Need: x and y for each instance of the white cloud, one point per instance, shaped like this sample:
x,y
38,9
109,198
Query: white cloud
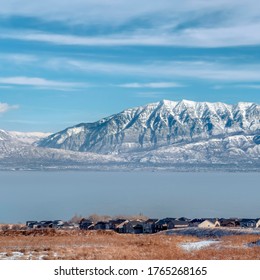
x,y
151,85
4,107
201,70
39,83
112,12
190,23
116,12
190,37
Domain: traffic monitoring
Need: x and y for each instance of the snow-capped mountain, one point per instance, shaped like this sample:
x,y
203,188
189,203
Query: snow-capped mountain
x,y
166,135
161,124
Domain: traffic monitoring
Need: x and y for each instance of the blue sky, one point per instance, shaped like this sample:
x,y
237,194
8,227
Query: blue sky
x,y
66,62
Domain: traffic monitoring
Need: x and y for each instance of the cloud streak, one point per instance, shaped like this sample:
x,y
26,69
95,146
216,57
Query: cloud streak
x,y
152,85
204,24
39,83
190,37
178,70
115,12
4,107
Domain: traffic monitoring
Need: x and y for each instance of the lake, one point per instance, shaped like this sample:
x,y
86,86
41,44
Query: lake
x,y
60,195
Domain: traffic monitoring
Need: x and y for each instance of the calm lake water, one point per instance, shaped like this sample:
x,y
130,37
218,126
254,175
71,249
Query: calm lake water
x,y
60,195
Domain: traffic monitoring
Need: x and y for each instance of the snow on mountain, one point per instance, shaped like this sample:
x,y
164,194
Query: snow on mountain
x,y
232,153
18,155
28,137
4,135
238,149
160,124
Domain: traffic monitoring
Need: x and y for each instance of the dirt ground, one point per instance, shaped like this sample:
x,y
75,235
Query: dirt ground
x,y
107,245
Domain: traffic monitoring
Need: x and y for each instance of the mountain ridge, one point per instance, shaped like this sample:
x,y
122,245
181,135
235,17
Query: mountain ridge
x,y
158,124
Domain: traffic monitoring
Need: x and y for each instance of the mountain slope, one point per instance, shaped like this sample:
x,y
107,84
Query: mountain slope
x,y
159,124
232,153
27,137
17,155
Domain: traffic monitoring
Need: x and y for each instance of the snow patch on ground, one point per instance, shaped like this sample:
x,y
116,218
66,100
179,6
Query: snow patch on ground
x,y
12,256
190,246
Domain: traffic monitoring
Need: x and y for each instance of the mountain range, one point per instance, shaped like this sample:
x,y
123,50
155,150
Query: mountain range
x,y
166,134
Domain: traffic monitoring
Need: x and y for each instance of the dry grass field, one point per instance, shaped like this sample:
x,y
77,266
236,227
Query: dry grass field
x,y
107,245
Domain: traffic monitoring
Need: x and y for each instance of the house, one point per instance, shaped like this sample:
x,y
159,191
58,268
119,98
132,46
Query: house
x,y
177,224
149,226
204,223
196,222
120,228
68,225
86,224
114,224
257,225
134,227
31,224
209,223
45,224
248,223
58,223
184,219
101,225
163,224
232,222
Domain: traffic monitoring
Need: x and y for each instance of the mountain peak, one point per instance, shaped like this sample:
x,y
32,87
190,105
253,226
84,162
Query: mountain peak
x,y
166,102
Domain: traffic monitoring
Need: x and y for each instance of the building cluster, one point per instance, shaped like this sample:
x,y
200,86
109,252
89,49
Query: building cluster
x,y
149,226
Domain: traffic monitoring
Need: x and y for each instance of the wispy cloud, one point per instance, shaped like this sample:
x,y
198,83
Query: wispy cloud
x,y
39,83
4,107
151,85
17,58
114,12
202,23
178,70
190,37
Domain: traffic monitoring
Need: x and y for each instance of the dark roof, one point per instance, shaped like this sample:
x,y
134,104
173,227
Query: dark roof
x,y
102,223
184,219
85,221
248,220
229,220
45,222
165,220
201,220
134,223
197,220
117,221
151,221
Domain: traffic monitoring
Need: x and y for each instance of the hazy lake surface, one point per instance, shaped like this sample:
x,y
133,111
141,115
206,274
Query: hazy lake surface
x,y
60,195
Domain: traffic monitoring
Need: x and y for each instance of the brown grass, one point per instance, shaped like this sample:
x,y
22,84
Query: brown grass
x,y
106,245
